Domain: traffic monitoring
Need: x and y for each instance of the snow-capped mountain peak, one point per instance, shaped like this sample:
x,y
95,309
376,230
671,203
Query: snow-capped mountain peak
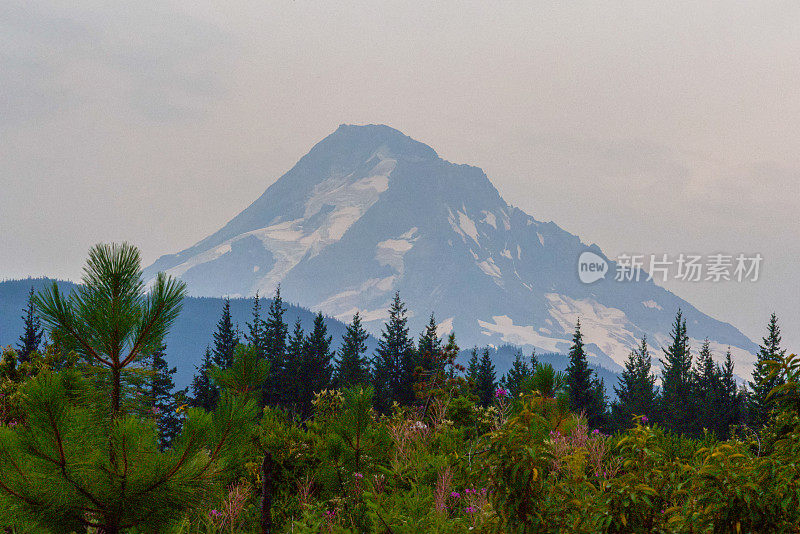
x,y
369,211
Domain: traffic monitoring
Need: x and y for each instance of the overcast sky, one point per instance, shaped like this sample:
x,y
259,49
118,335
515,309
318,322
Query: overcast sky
x,y
643,127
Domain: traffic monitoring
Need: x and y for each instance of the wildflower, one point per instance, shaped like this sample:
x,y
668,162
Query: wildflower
x,y
595,431
358,475
471,509
214,513
500,393
455,494
644,419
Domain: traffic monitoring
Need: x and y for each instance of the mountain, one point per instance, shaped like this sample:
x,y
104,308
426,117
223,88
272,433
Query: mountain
x,y
369,211
189,336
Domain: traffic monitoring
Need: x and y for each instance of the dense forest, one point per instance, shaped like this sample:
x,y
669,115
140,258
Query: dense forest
x,y
280,433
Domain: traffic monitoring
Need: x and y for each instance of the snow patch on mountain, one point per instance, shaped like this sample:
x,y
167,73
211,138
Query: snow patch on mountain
x,y
391,251
489,267
651,304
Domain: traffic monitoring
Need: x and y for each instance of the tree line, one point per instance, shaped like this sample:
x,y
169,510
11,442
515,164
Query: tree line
x,y
694,394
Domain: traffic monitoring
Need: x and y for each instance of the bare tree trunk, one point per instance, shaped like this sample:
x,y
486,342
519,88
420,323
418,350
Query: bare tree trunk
x,y
268,468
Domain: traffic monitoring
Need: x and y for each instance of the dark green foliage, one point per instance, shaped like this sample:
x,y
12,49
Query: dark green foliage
x,y
293,365
315,373
82,458
204,393
256,328
545,381
109,320
429,347
707,391
352,367
514,379
275,332
676,411
161,398
636,392
226,338
485,380
472,367
394,360
585,392
31,338
759,405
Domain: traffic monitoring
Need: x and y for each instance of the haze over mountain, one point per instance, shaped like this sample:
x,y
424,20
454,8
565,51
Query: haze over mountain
x,y
369,211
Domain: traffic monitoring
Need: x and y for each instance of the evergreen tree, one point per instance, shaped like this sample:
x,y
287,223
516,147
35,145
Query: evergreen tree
x,y
514,379
579,375
204,393
759,405
472,367
84,460
636,393
676,410
161,397
315,374
429,347
31,338
255,335
706,380
226,338
275,332
352,368
485,383
730,405
293,366
394,360
585,393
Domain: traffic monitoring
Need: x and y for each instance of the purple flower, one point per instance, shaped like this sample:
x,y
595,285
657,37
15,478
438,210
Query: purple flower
x,y
644,419
471,509
595,431
358,475
455,495
500,393
214,513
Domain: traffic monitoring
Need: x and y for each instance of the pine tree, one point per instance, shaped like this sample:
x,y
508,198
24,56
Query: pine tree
x,y
204,394
315,374
676,410
293,366
225,338
275,332
161,398
85,460
255,329
516,376
429,347
730,405
394,360
706,382
472,367
485,383
636,393
352,368
759,405
579,375
31,338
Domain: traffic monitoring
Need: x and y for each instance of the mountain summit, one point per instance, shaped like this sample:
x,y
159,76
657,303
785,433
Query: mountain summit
x,y
369,211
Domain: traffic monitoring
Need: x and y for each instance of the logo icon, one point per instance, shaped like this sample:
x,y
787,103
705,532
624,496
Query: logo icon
x,y
591,267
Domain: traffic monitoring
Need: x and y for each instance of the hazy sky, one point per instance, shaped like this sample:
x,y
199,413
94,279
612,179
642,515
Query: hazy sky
x,y
662,127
